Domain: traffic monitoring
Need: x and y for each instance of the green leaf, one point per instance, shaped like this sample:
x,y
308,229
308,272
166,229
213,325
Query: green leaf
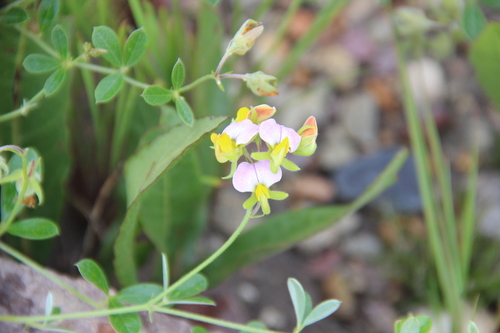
x,y
184,111
212,2
194,301
93,273
198,329
156,95
54,82
124,323
178,74
60,41
280,232
472,328
109,87
14,16
473,20
47,13
298,296
157,161
105,38
425,323
195,285
134,47
491,3
322,311
411,325
39,63
485,57
139,293
35,228
255,324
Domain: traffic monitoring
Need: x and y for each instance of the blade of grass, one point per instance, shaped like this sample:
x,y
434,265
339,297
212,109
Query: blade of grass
x,y
469,214
431,215
326,15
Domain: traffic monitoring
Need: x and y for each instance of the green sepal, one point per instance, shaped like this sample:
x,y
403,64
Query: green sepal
x,y
289,165
261,156
278,195
15,175
250,202
35,185
264,203
234,164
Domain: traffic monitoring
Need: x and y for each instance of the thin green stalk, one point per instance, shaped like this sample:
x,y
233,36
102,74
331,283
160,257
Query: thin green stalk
x,y
124,113
324,17
263,8
24,109
207,261
443,176
469,214
195,83
282,29
209,320
426,188
27,261
38,41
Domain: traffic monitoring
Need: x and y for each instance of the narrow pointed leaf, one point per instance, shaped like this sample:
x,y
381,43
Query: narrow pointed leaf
x,y
473,20
39,63
134,47
60,41
156,95
178,74
93,273
184,111
49,304
472,328
34,228
15,15
109,87
105,38
298,297
124,323
47,13
54,82
139,293
322,311
191,287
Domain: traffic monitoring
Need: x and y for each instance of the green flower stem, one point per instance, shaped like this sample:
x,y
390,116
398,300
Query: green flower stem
x,y
209,320
233,76
38,41
4,226
207,261
195,83
96,68
221,63
24,109
27,261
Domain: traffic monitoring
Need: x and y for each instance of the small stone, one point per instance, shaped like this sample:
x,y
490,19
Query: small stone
x,y
359,11
272,317
360,117
312,187
363,245
337,287
335,148
358,43
427,80
330,236
248,292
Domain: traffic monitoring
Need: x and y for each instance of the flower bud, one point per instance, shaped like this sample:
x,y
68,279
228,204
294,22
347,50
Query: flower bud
x,y
412,21
308,133
245,37
261,84
256,114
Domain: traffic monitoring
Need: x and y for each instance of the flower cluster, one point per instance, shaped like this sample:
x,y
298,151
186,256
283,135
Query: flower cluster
x,y
262,167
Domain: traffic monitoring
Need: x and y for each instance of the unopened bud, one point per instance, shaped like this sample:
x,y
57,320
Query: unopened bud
x,y
256,114
245,37
308,133
261,84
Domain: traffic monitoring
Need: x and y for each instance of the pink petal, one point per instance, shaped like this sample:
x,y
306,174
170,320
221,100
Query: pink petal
x,y
264,174
270,132
242,132
273,133
245,178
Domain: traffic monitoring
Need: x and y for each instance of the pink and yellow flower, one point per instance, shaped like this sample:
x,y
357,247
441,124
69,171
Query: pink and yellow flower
x,y
257,178
281,140
256,114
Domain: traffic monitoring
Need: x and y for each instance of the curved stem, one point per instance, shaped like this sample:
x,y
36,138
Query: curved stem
x,y
24,109
207,261
210,320
38,41
27,261
195,83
